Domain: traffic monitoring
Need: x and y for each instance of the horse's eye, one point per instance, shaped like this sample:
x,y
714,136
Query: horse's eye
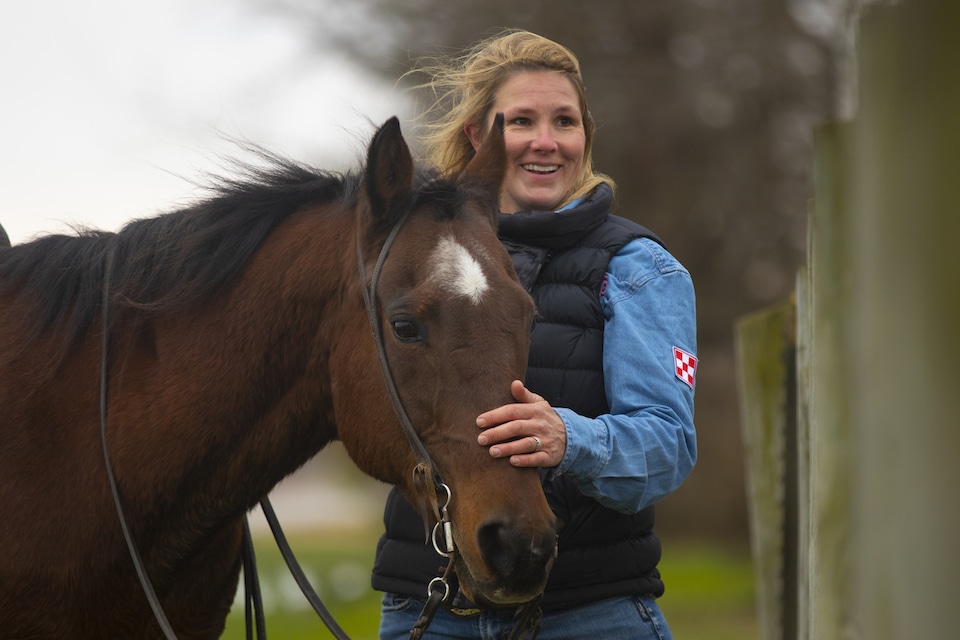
x,y
406,331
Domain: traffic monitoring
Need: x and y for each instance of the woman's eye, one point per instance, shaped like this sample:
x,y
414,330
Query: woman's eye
x,y
406,331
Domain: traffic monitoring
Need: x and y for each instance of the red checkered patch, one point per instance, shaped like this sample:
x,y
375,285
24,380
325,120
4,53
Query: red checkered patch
x,y
686,365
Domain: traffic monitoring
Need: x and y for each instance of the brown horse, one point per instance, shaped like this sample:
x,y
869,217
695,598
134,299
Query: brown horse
x,y
238,347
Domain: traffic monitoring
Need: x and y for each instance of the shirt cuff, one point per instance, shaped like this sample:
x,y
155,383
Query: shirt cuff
x,y
588,445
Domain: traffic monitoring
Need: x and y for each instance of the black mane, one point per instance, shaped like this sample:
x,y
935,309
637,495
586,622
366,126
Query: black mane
x,y
171,259
168,261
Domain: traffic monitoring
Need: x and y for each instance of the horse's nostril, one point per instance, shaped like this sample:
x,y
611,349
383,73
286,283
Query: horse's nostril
x,y
511,552
494,548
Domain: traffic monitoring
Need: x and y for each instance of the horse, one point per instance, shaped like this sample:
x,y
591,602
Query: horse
x,y
238,345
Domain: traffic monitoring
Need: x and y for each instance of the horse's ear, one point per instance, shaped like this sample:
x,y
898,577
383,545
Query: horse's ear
x,y
389,172
489,165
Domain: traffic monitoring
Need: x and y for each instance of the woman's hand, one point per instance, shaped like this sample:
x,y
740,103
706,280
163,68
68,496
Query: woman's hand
x,y
529,431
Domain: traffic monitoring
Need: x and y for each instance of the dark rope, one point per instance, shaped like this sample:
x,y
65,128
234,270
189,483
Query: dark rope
x,y
127,535
297,572
253,598
529,618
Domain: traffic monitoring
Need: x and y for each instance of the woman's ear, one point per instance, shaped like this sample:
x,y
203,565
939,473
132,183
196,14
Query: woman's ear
x,y
473,131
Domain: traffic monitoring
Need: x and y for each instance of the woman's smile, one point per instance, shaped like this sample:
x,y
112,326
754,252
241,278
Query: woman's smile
x,y
544,137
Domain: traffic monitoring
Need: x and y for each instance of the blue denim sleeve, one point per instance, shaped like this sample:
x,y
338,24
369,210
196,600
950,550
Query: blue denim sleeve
x,y
646,446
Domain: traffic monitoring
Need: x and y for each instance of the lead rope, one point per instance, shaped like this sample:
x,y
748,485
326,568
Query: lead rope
x,y
127,535
529,618
439,588
251,582
298,575
253,599
436,596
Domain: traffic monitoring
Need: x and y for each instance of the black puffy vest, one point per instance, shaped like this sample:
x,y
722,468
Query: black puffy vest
x,y
561,260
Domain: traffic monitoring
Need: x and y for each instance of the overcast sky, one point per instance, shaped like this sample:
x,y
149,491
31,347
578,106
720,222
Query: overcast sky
x,y
109,107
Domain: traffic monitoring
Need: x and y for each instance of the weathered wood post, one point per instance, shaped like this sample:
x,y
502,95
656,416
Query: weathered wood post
x,y
903,379
876,447
766,349
824,432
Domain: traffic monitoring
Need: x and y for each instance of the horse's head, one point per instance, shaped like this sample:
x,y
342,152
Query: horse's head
x,y
455,323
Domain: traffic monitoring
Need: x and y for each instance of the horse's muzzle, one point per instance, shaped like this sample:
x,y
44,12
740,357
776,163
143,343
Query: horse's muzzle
x,y
517,561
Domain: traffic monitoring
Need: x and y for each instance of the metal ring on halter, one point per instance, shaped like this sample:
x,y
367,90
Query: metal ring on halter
x,y
444,524
537,444
436,545
446,587
446,503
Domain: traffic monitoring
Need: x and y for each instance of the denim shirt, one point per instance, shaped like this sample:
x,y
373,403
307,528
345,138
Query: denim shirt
x,y
646,446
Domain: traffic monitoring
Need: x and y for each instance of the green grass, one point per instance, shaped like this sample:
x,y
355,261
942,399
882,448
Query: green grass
x,y
709,589
709,593
338,565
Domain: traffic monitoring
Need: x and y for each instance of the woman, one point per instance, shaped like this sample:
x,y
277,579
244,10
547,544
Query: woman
x,y
606,411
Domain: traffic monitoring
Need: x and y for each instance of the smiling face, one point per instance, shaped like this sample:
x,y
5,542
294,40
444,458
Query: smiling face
x,y
544,136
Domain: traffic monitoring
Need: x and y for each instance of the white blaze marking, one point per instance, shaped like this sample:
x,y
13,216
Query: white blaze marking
x,y
458,270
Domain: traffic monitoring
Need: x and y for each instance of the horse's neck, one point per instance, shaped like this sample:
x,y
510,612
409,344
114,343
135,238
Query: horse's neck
x,y
237,393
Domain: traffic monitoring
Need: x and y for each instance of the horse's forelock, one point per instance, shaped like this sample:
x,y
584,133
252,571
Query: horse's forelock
x,y
443,195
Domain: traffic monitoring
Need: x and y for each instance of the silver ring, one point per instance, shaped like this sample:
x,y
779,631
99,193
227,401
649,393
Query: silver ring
x,y
537,444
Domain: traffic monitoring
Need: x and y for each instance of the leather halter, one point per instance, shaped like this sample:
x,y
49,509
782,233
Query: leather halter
x,y
373,314
426,477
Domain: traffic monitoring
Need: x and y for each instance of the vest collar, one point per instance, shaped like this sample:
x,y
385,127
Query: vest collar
x,y
554,229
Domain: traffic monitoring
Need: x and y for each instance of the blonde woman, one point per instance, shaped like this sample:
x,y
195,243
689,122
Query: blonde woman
x,y
606,409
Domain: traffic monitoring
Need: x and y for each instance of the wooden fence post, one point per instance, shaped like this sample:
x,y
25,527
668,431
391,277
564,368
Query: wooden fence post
x,y
876,447
903,379
766,365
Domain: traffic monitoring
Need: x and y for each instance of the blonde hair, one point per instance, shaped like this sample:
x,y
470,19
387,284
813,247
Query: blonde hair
x,y
464,88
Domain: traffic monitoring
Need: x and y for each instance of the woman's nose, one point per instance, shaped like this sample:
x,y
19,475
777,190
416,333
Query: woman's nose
x,y
544,139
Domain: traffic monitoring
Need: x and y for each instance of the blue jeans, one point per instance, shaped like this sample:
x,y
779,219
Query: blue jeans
x,y
626,618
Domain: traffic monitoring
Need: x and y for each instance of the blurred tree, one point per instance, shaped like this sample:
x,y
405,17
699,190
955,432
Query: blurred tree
x,y
706,110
